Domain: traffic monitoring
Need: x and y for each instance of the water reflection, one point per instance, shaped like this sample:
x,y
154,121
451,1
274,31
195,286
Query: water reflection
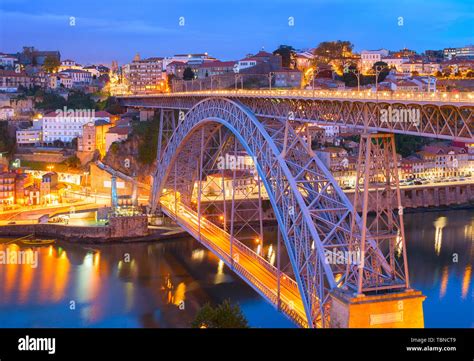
x,y
163,284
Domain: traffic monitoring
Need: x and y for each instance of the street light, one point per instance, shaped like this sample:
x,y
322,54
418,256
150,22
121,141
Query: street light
x,y
378,70
270,76
356,72
237,78
315,73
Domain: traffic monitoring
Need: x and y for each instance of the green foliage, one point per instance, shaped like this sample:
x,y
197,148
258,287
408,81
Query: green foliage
x,y
75,100
114,147
7,143
51,101
409,144
331,50
79,100
188,74
383,72
148,135
111,105
288,56
224,315
73,162
51,64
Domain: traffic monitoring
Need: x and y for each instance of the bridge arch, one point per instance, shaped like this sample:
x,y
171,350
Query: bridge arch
x,y
313,214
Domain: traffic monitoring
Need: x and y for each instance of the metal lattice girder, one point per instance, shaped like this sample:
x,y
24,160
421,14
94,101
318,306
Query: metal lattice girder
x,y
438,118
313,214
377,190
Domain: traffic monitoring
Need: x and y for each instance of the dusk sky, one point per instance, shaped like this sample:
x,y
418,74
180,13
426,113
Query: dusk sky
x,y
108,30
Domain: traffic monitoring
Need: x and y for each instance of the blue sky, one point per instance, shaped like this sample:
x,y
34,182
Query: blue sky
x,y
108,30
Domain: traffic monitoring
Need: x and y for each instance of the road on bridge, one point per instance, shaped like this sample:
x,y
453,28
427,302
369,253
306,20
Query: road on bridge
x,y
253,268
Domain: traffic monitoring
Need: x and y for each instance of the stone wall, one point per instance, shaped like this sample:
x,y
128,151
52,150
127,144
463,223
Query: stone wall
x,y
119,228
434,195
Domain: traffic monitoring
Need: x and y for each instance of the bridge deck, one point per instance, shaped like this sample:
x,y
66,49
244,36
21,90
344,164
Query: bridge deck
x,y
440,98
252,268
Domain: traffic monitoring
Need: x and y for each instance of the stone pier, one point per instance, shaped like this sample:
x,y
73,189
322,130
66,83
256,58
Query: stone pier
x,y
390,310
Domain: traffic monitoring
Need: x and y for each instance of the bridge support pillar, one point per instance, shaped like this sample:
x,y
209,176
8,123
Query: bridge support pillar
x,y
390,310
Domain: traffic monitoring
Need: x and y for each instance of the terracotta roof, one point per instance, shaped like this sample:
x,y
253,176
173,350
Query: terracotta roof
x,y
217,64
121,130
12,73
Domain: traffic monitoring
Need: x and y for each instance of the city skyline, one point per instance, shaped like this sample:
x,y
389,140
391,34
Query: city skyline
x,y
119,30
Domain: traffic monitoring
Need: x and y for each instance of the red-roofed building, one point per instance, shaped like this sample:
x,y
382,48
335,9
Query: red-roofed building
x,y
116,134
212,68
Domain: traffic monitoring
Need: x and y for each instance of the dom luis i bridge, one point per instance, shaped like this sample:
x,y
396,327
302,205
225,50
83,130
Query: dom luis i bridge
x,y
336,263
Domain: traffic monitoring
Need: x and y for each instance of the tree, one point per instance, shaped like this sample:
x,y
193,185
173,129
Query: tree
x,y
224,315
111,105
384,70
50,101
288,56
188,74
336,53
79,100
147,133
51,64
73,162
349,78
408,144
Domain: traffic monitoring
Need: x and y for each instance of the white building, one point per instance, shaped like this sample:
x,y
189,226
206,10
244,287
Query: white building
x,y
78,76
420,68
93,70
65,125
247,63
369,57
29,137
69,64
7,60
60,80
188,58
395,62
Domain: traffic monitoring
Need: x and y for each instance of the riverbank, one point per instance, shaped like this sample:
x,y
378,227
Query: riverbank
x,y
90,235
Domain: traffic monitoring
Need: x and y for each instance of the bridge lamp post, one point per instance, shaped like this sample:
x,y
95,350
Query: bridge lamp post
x,y
270,76
237,78
315,74
378,70
356,72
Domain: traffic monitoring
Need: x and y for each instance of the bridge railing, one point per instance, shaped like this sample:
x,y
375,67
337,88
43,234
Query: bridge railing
x,y
280,300
249,252
445,97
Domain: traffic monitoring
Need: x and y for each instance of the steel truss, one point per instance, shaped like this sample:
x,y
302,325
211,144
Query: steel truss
x,y
377,188
314,216
436,119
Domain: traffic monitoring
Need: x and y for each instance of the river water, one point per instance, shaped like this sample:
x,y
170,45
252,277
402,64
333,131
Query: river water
x,y
163,284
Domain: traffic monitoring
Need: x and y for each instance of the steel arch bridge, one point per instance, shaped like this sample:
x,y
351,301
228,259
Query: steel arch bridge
x,y
314,216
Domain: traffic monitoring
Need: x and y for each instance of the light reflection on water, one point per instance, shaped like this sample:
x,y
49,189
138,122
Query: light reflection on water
x,y
163,284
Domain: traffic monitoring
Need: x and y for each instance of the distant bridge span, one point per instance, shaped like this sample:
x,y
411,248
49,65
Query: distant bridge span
x,y
441,115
